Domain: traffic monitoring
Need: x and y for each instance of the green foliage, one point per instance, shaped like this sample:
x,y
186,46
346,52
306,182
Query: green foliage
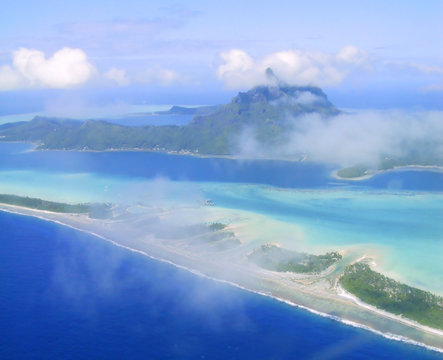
x,y
264,110
352,172
181,110
388,163
274,258
216,226
392,296
39,204
94,210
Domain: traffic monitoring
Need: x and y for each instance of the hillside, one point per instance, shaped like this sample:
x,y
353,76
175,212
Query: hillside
x,y
397,298
265,110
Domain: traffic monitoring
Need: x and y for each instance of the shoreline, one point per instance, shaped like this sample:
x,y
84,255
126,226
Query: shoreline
x,y
302,158
342,292
431,168
178,153
63,220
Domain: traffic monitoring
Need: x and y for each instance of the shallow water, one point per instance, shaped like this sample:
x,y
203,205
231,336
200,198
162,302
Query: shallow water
x,y
66,294
402,229
396,217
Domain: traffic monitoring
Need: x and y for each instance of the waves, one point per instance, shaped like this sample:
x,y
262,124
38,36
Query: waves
x,y
354,324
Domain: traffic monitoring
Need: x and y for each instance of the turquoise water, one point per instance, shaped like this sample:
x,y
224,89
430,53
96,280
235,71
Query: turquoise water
x,y
52,274
68,295
402,229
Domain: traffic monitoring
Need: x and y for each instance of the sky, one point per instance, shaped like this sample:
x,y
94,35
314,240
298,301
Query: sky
x,y
378,54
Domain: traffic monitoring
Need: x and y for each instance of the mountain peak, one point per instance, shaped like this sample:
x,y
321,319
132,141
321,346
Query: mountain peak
x,y
271,78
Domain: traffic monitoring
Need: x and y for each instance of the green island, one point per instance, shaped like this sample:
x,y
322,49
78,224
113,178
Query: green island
x,y
389,163
223,240
93,210
387,294
212,235
182,110
272,257
351,172
267,111
217,226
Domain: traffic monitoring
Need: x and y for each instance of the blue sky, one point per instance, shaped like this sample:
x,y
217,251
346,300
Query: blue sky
x,y
377,51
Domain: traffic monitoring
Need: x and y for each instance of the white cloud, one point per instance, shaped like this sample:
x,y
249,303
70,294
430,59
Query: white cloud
x,y
9,79
297,67
238,69
427,69
158,76
30,68
307,97
432,88
351,54
117,75
351,138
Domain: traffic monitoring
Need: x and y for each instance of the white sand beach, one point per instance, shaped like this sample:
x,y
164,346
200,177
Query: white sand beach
x,y
144,233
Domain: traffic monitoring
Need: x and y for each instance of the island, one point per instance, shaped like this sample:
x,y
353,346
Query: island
x,y
92,210
276,258
266,110
268,113
387,294
364,171
183,110
215,242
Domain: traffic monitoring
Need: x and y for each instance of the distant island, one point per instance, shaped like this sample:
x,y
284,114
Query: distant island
x,y
265,109
362,171
212,247
268,112
273,257
387,294
96,211
183,110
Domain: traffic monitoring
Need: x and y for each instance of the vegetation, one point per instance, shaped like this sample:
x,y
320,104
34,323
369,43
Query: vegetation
x,y
387,294
216,226
388,163
266,110
352,172
275,258
181,110
93,210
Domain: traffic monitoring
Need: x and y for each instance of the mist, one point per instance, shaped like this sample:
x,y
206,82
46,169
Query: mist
x,y
353,137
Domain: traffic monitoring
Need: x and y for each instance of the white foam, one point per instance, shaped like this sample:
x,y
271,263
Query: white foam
x,y
389,336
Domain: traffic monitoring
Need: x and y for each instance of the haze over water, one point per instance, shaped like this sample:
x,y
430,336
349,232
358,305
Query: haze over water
x,y
401,228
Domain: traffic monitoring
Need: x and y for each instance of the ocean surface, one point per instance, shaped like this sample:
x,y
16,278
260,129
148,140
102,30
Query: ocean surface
x,y
147,165
68,295
128,115
65,294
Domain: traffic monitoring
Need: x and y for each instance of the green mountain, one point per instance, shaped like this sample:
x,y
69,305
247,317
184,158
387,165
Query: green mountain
x,y
267,111
183,110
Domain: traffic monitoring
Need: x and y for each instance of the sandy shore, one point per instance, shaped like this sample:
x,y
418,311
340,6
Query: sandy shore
x,y
316,293
433,168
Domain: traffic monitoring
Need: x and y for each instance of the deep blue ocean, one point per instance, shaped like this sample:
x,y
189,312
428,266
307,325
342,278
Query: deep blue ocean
x,y
147,165
65,294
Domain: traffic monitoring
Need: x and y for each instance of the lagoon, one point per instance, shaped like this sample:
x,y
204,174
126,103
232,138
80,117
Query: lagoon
x,y
305,209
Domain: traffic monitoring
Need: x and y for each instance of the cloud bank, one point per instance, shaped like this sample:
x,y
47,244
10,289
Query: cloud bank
x,y
296,67
30,68
118,76
360,137
68,68
158,76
